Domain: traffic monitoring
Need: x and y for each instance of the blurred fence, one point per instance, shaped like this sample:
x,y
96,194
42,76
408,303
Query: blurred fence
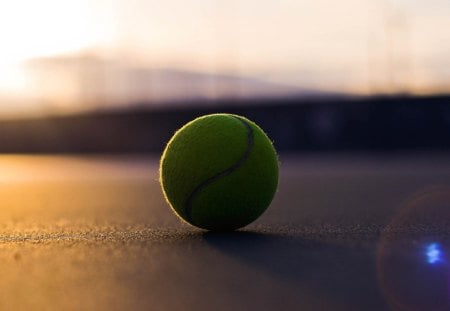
x,y
366,124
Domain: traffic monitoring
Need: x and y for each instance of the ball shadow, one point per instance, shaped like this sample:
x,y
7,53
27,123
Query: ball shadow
x,y
338,272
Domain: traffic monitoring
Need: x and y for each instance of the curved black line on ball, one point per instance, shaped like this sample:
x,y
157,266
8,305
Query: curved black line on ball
x,y
228,171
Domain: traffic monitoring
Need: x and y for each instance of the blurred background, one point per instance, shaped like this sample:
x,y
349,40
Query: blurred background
x,y
121,76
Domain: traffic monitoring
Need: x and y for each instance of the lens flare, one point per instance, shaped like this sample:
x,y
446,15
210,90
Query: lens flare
x,y
411,255
433,253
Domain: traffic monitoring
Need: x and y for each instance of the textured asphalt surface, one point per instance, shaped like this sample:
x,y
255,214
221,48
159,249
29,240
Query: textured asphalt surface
x,y
343,233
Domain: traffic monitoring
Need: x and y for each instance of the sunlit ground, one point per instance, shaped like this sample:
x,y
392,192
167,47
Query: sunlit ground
x,y
71,189
35,169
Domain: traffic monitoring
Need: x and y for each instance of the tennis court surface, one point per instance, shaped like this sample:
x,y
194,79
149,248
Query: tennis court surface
x,y
345,232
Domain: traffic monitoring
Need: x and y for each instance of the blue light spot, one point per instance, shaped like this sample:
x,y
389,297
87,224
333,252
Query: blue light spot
x,y
434,254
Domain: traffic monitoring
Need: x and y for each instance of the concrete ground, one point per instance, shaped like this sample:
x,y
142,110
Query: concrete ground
x,y
345,232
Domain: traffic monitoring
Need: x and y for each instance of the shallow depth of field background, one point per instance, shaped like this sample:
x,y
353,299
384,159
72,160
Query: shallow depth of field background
x,y
358,75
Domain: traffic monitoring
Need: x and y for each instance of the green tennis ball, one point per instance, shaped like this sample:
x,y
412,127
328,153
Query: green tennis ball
x,y
219,172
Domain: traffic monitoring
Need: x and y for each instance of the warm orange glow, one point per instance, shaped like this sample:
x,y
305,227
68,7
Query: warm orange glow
x,y
349,46
31,29
35,169
37,28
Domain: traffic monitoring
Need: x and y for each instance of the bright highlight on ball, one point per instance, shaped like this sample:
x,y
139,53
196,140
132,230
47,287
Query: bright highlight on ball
x,y
219,172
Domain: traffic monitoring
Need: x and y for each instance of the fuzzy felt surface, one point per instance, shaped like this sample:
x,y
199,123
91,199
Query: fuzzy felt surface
x,y
219,172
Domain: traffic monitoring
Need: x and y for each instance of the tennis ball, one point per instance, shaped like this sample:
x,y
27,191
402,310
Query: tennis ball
x,y
219,172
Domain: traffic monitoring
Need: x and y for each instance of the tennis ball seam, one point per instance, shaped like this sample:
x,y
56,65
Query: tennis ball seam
x,y
197,190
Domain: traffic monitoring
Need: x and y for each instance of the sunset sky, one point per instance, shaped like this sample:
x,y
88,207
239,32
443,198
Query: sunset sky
x,y
349,46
